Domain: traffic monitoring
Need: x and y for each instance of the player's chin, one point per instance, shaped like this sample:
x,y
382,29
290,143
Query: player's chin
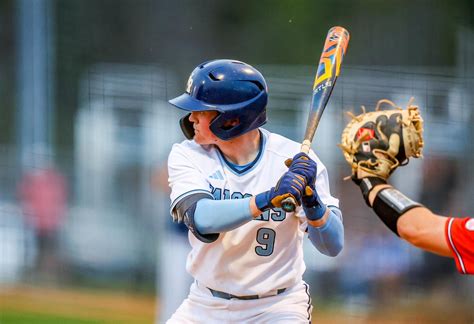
x,y
204,141
200,139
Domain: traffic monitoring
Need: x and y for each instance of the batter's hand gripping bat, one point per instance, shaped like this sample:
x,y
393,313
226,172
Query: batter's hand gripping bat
x,y
329,68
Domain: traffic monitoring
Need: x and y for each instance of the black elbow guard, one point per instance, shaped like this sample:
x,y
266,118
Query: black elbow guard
x,y
390,204
185,209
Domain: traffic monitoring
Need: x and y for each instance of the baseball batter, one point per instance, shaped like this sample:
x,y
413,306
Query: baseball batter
x,y
227,183
375,144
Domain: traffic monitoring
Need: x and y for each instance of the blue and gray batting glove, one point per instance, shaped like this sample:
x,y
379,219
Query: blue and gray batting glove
x,y
290,184
303,165
312,204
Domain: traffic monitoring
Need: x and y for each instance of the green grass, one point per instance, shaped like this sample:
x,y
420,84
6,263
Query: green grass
x,y
11,317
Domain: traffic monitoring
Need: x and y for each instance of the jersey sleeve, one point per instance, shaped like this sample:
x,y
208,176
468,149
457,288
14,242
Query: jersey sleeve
x,y
460,237
185,178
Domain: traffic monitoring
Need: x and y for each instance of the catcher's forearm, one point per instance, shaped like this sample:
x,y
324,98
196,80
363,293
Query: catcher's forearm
x,y
420,227
387,202
375,191
425,230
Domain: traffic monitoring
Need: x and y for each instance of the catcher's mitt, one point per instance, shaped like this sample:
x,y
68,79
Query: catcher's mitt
x,y
376,143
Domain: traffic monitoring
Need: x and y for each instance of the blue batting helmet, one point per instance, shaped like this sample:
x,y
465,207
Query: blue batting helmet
x,y
234,89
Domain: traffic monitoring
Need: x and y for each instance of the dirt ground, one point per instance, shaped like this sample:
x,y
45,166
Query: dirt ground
x,y
21,304
94,306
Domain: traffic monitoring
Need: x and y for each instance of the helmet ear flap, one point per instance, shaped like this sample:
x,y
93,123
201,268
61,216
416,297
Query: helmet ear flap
x,y
187,127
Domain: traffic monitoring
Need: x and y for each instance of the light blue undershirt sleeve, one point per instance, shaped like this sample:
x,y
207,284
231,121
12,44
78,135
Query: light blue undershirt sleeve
x,y
328,239
217,216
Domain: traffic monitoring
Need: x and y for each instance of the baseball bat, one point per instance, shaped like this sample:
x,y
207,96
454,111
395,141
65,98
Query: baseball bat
x,y
329,67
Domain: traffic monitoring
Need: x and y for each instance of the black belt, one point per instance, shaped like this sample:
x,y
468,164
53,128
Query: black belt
x,y
224,295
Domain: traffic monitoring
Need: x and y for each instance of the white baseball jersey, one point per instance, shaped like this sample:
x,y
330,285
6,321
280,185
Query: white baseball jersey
x,y
264,254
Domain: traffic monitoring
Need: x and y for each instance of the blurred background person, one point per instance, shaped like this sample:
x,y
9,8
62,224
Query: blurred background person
x,y
43,197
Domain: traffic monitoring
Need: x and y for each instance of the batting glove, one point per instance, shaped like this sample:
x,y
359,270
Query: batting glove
x,y
290,184
303,165
313,206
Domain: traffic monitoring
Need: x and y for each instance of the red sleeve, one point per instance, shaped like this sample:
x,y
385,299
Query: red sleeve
x,y
460,237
